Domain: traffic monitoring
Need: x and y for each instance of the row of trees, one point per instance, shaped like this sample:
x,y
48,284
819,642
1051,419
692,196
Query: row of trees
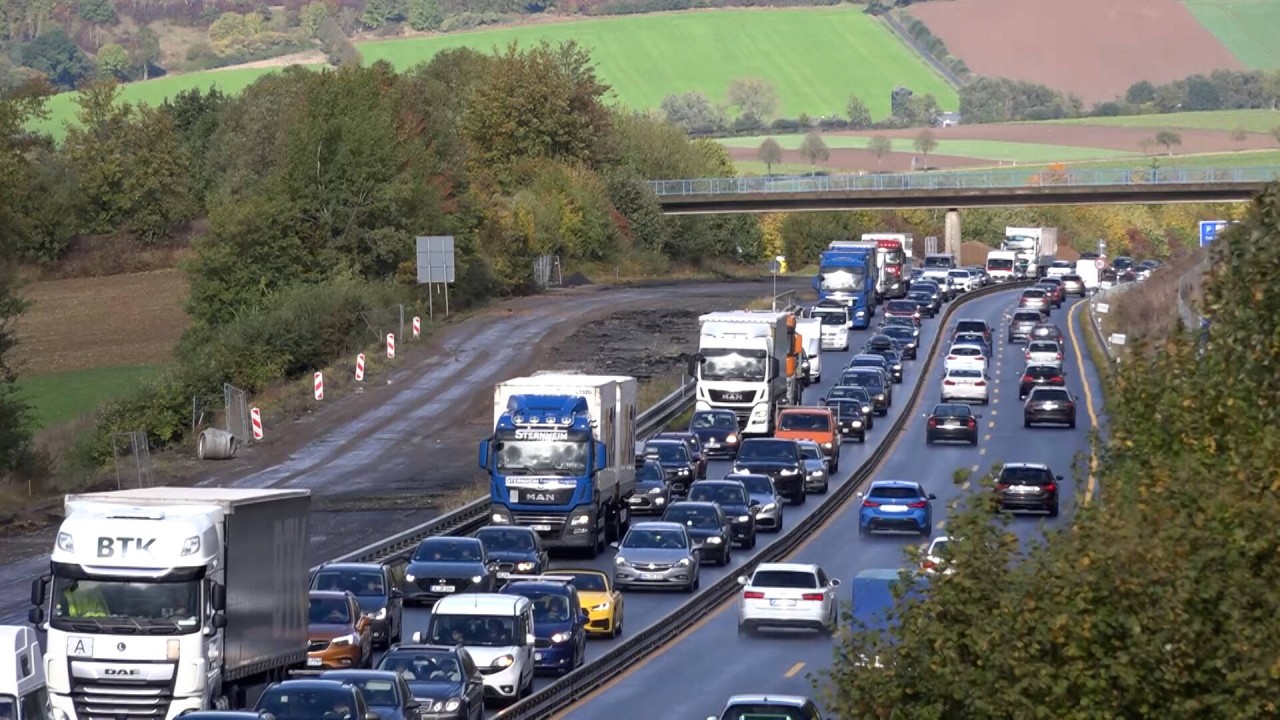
x,y
814,149
1159,600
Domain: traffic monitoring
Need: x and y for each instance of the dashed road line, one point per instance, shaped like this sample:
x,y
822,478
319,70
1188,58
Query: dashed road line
x,y
795,670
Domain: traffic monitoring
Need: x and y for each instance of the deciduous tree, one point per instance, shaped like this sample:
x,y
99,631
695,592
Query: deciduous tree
x,y
56,55
144,51
425,15
769,153
1168,139
693,111
113,61
881,146
97,13
925,143
858,113
755,98
813,148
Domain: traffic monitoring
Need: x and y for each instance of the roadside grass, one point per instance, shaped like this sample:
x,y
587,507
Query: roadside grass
x,y
63,397
646,57
996,150
1246,27
1258,121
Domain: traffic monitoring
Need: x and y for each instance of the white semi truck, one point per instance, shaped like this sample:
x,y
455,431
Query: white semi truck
x,y
165,600
1029,245
746,363
23,695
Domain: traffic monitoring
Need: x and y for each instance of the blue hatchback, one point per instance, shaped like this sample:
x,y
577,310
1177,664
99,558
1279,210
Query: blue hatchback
x,y
896,506
558,617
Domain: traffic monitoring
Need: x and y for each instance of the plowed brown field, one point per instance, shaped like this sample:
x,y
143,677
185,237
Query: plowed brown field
x,y
1093,48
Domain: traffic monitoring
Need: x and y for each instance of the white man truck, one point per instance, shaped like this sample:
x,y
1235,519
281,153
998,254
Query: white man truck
x,y
561,459
746,363
22,690
165,600
1029,244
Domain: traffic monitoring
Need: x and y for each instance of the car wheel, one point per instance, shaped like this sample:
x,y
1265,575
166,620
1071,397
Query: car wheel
x,y
1053,511
1026,423
753,540
1072,424
727,555
974,442
799,499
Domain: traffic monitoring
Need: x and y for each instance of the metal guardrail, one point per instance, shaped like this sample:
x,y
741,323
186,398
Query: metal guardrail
x,y
473,515
577,684
1011,178
1192,280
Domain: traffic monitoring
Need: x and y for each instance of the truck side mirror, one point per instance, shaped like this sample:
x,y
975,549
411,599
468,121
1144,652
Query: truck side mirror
x,y
35,615
602,457
483,459
218,597
773,367
38,587
218,621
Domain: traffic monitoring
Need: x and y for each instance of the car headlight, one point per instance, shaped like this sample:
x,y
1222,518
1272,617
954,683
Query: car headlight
x,y
345,640
381,614
684,562
660,501
410,577
714,540
856,423
620,561
504,661
879,396
561,637
769,507
815,473
789,471
826,445
601,607
525,566
897,366
744,518
656,491
683,471
731,439
452,705
477,578
866,408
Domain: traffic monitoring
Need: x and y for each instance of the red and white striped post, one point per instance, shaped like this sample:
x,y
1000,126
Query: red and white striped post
x,y
417,327
319,386
255,415
391,346
360,367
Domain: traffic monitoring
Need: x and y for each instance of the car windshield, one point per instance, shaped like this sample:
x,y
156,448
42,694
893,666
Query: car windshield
x,y
713,421
359,583
835,278
767,451
1043,371
286,703
692,517
650,472
457,550
811,451
664,539
900,306
869,379
667,452
506,539
959,274
549,608
1053,394
423,667
1000,264
804,421
831,317
329,611
965,373
855,392
973,338
377,691
952,411
762,711
920,296
900,332
1043,347
971,326
937,261
480,631
846,409
895,493
756,484
729,364
723,494
1020,475
590,582
1024,317
865,361
1033,294
784,579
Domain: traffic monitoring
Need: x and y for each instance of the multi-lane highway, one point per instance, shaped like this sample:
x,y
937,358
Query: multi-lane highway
x,y
725,663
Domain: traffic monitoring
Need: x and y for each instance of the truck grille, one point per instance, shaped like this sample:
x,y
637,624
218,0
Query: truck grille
x,y
734,396
555,522
107,700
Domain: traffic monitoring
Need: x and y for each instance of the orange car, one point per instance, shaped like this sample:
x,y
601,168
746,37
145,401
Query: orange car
x,y
811,423
341,635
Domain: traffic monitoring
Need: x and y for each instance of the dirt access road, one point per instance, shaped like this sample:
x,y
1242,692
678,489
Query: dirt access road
x,y
380,462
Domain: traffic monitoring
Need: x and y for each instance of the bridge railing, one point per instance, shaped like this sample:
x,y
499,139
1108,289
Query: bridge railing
x,y
1008,178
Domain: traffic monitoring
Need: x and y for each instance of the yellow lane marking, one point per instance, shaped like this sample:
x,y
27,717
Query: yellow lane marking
x,y
795,669
1088,400
941,524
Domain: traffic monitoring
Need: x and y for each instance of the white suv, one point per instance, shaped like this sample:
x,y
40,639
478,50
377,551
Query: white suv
x,y
498,632
788,595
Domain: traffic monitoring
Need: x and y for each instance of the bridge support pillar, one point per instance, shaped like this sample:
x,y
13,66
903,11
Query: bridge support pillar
x,y
951,234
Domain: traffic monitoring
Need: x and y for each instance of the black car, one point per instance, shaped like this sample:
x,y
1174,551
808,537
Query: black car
x,y
444,566
766,503
386,692
652,494
1022,323
708,528
779,459
1052,290
879,361
953,422
1049,405
874,381
1027,486
314,699
1039,375
859,393
894,358
735,501
906,339
926,301
933,287
516,550
694,443
849,417
444,679
718,431
375,589
677,462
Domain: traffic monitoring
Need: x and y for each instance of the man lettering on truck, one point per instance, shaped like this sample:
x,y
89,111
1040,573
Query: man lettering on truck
x,y
84,601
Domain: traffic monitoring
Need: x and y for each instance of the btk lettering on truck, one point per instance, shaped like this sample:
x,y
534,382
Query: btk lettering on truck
x,y
165,600
561,457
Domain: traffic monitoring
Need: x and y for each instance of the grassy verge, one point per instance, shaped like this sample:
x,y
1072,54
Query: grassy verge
x,y
994,150
64,397
1101,362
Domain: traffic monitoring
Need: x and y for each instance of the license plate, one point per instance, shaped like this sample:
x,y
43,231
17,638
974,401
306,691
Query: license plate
x,y
314,662
1024,489
894,508
537,656
782,603
712,444
502,575
1049,406
650,576
442,588
542,528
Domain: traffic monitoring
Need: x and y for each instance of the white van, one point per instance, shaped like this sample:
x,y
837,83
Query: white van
x,y
498,632
22,691
810,330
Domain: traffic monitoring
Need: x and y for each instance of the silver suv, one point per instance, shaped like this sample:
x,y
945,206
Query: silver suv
x,y
1023,322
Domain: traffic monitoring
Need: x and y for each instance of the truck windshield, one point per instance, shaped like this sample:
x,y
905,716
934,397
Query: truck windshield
x,y
542,457
125,606
836,278
478,631
732,365
831,318
1000,264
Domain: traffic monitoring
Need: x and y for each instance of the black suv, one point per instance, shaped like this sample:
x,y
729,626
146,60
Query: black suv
x,y
652,494
779,459
874,381
516,550
708,527
951,421
1027,487
314,698
1049,405
443,566
849,417
735,501
694,443
906,340
859,393
375,588
1022,323
1039,375
440,675
718,431
677,462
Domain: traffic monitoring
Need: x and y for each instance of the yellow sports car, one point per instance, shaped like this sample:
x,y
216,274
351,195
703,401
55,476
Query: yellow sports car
x,y
599,598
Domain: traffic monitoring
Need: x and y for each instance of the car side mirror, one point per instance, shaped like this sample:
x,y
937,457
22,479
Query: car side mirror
x,y
834,582
482,459
416,638
932,496
412,705
859,495
218,596
218,621
614,545
396,593
754,503
585,617
530,639
602,457
1058,477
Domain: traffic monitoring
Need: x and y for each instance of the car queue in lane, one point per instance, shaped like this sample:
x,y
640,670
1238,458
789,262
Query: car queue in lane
x,y
767,662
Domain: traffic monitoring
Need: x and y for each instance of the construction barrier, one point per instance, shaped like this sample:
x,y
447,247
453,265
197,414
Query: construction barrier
x,y
255,415
360,367
417,327
391,346
319,384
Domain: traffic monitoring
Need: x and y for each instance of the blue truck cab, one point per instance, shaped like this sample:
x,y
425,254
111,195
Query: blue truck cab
x,y
848,275
560,458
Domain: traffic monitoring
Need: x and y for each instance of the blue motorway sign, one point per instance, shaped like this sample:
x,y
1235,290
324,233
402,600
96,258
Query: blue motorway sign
x,y
1209,230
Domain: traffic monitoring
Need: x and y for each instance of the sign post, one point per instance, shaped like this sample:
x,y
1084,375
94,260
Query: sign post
x,y
435,265
1209,230
775,267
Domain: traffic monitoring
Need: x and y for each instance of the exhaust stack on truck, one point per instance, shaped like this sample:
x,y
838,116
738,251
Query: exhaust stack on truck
x,y
165,600
561,457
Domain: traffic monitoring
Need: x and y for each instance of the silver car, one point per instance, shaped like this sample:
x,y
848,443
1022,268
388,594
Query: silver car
x,y
1044,352
766,503
788,595
656,554
816,474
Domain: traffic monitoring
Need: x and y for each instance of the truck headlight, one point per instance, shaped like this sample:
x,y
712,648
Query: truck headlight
x,y
580,519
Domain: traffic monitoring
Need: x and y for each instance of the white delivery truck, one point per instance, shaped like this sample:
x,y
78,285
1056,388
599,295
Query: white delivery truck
x,y
834,320
1001,265
1030,244
23,695
165,600
561,457
745,364
810,331
1088,269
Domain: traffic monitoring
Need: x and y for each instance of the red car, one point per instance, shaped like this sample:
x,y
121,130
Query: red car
x,y
903,308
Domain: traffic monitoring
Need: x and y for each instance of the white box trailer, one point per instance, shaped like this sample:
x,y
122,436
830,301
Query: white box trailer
x,y
810,331
23,695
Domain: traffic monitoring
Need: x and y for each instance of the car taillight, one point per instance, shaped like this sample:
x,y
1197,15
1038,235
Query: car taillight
x,y
972,423
1028,378
948,382
1002,486
933,422
917,504
752,595
812,596
1056,379
951,357
1071,406
869,503
1050,487
980,383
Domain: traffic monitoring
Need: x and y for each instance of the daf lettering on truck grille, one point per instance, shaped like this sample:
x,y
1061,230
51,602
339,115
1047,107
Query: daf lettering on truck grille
x,y
542,434
121,672
122,546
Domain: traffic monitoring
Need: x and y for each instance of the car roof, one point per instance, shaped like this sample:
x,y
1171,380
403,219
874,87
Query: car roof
x,y
721,481
1029,465
975,346
787,700
788,567
329,594
676,435
314,684
352,674
1048,388
972,320
695,504
895,484
494,604
808,409
662,525
663,441
579,571
1042,367
424,648
352,566
543,584
519,528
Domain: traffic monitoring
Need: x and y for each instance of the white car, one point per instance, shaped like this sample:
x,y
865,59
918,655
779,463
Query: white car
x,y
967,384
934,562
788,595
965,356
1044,352
961,280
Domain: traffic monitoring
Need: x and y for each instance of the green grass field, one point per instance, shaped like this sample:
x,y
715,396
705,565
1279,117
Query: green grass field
x,y
986,149
1246,27
1259,121
1262,158
815,57
64,397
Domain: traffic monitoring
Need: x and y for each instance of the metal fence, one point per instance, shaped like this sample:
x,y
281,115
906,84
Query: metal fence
x,y
375,324
547,271
237,409
131,455
1010,178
